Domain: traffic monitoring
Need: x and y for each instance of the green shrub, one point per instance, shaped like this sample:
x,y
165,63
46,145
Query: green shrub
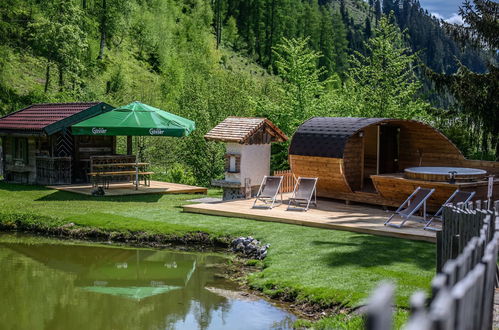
x,y
180,173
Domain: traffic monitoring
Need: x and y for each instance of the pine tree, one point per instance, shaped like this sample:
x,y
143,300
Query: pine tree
x,y
477,93
297,66
377,10
333,43
367,29
384,81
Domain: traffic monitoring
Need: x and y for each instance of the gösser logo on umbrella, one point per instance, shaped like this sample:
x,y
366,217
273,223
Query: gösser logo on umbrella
x,y
99,130
156,131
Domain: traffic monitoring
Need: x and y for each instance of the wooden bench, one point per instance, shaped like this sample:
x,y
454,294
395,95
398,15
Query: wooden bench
x,y
105,175
117,168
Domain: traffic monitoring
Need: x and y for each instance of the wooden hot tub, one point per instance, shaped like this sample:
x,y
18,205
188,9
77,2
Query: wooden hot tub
x,y
442,174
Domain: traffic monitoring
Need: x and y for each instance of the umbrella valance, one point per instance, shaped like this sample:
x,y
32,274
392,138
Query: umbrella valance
x,y
135,119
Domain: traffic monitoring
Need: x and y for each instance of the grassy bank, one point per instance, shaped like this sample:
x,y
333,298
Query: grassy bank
x,y
324,267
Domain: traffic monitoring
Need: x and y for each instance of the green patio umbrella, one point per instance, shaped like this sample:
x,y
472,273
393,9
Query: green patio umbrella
x,y
135,119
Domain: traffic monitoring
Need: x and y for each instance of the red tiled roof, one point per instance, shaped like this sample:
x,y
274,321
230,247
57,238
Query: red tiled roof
x,y
38,116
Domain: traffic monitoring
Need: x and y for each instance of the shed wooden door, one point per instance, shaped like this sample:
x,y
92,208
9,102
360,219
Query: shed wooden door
x,y
388,149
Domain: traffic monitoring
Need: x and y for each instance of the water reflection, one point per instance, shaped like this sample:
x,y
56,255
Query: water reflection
x,y
48,285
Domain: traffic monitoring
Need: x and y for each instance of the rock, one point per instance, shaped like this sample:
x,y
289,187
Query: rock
x,y
249,247
239,247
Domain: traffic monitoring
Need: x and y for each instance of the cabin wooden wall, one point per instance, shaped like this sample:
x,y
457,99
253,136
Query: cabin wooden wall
x,y
489,166
86,146
421,145
83,148
328,170
353,158
17,170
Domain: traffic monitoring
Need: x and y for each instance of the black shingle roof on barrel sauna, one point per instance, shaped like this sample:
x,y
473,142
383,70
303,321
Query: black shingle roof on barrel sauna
x,y
327,136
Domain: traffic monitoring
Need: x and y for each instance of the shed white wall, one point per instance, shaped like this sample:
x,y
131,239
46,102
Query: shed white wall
x,y
255,162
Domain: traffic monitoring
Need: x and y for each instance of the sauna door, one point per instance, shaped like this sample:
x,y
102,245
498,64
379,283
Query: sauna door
x,y
388,149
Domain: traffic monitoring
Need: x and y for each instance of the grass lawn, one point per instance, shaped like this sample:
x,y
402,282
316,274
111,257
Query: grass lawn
x,y
311,264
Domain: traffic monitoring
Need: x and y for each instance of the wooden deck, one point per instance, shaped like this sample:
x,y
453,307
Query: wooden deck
x,y
329,214
122,189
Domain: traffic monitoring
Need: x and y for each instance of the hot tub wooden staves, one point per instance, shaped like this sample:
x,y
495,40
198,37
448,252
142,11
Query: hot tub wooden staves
x,y
363,159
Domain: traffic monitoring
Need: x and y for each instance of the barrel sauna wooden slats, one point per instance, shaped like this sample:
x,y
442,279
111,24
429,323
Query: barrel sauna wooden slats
x,y
353,160
328,170
436,149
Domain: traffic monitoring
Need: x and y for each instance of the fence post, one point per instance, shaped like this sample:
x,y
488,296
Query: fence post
x,y
442,311
440,244
379,312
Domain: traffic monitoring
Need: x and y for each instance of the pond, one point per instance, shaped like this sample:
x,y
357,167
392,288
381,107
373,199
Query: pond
x,y
52,284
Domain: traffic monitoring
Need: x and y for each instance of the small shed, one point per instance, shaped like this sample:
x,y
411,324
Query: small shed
x,y
363,159
38,147
247,157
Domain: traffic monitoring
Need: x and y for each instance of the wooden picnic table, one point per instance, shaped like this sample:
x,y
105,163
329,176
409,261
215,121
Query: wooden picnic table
x,y
107,170
104,174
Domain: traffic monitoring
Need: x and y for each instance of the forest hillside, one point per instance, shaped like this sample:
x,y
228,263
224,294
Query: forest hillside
x,y
205,60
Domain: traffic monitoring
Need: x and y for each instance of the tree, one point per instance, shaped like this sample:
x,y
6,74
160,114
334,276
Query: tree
x,y
217,8
300,92
113,16
384,82
476,93
367,29
377,10
61,41
302,84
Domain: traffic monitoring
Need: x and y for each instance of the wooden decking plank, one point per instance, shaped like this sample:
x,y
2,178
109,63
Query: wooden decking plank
x,y
330,215
125,189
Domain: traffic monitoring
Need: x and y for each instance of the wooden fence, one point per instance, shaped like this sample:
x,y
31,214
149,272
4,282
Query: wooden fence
x,y
288,181
463,292
462,223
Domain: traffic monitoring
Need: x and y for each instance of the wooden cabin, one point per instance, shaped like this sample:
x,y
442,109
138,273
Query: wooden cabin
x,y
38,147
247,157
363,159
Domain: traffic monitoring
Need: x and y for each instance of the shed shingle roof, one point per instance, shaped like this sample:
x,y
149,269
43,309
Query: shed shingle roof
x,y
38,117
327,136
241,129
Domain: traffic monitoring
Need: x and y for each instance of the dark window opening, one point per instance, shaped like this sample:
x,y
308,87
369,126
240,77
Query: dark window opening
x,y
20,150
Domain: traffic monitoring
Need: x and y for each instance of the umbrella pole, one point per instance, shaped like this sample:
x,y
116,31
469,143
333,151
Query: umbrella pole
x,y
137,172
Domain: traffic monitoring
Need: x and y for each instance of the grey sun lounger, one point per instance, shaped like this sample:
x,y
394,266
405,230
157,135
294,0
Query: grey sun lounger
x,y
304,194
411,205
457,197
269,189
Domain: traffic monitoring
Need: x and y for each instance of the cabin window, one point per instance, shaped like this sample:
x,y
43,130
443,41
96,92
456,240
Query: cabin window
x,y
232,163
20,150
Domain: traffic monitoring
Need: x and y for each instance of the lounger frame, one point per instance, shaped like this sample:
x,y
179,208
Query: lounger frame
x,y
406,204
297,201
438,215
268,200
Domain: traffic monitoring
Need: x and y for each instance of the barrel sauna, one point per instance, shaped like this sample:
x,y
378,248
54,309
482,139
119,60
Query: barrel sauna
x,y
363,159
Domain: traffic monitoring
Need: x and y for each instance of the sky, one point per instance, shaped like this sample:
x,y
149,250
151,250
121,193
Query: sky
x,y
444,9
